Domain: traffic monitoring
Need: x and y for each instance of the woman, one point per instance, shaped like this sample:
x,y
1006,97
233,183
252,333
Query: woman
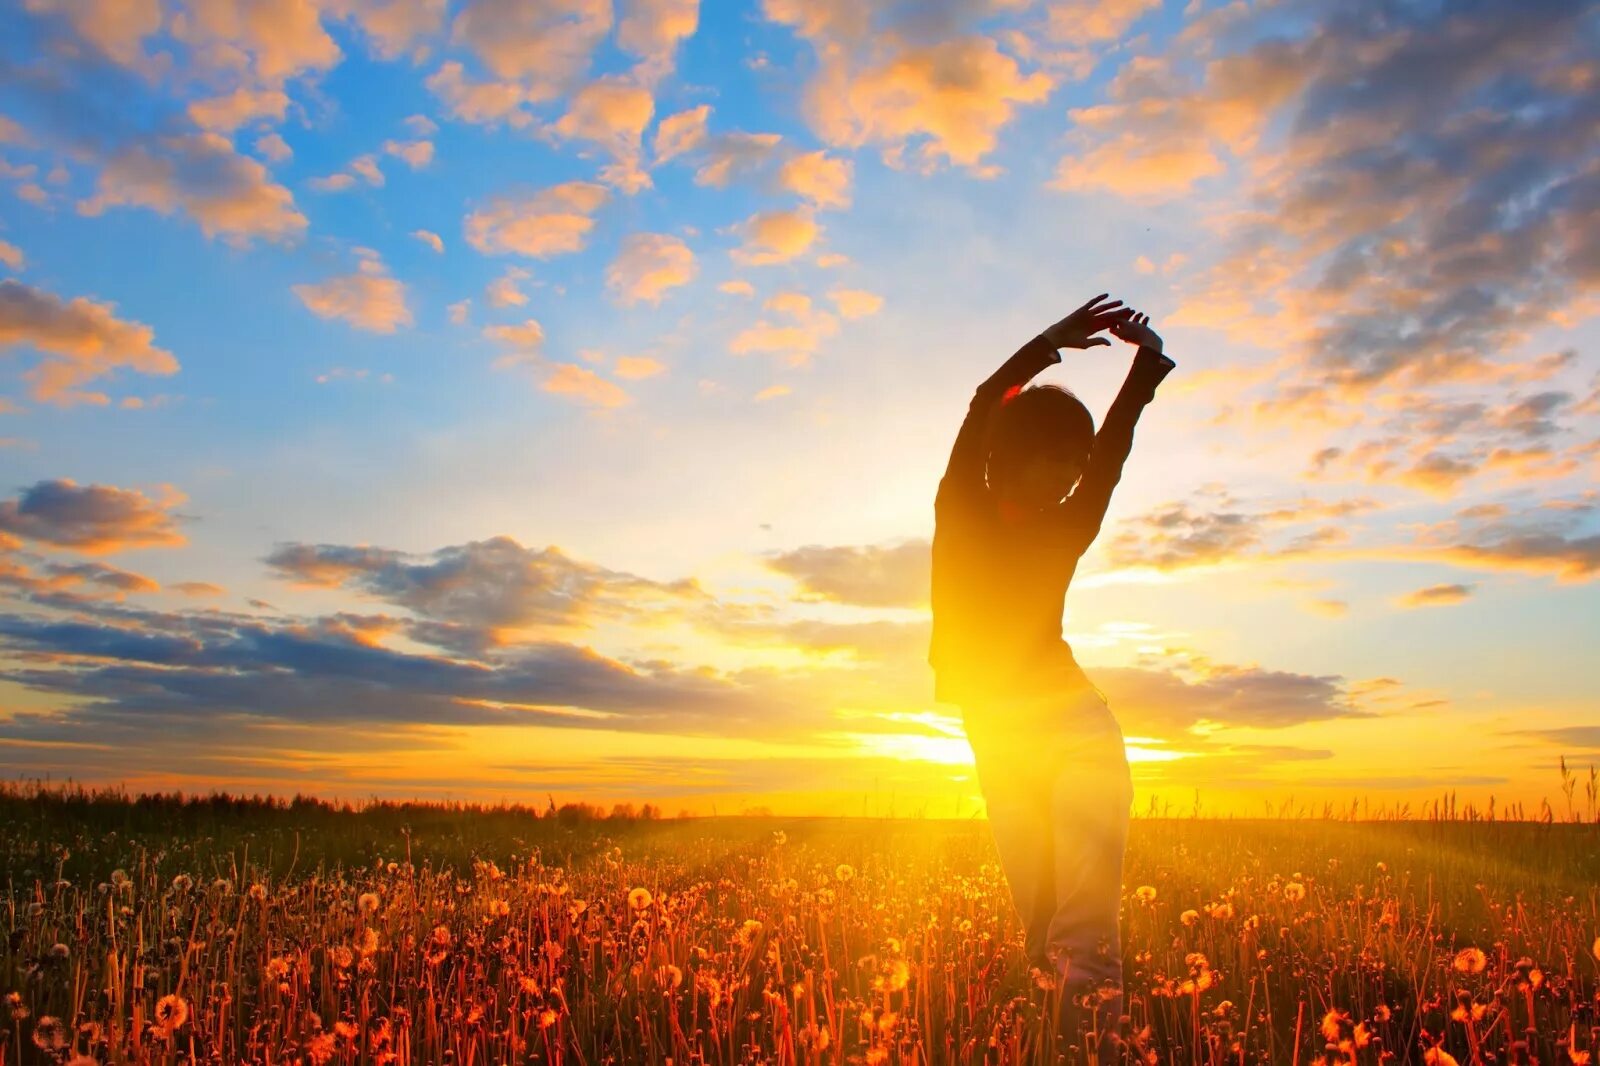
x,y
1022,498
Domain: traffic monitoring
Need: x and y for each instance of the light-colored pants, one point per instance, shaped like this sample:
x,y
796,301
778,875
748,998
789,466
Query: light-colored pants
x,y
1056,783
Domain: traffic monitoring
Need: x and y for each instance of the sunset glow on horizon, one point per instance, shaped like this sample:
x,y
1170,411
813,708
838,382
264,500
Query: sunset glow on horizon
x,y
483,400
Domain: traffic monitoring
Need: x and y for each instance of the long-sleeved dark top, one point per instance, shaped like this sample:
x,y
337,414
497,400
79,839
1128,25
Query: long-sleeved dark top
x,y
999,585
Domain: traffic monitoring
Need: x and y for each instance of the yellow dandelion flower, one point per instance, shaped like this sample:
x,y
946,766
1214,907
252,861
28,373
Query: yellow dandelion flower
x,y
845,872
1144,893
368,902
1189,917
1470,960
1294,892
639,899
547,1018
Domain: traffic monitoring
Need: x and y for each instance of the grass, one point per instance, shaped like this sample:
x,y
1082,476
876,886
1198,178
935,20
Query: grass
x,y
217,929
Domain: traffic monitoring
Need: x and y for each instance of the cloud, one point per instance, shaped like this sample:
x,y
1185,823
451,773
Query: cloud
x,y
394,26
818,177
735,155
431,239
364,167
545,46
227,194
116,27
274,148
553,221
369,299
1556,539
503,291
888,79
526,337
1435,595
648,266
81,340
737,287
11,256
1416,195
1095,20
1163,702
415,154
652,29
612,113
634,367
1216,530
31,577
797,336
226,113
95,519
894,575
856,303
581,383
776,236
483,102
273,39
681,132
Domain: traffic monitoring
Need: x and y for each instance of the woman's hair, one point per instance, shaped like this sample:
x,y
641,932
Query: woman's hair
x,y
1039,420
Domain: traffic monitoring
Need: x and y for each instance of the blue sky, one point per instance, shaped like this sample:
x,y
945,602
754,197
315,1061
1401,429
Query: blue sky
x,y
711,290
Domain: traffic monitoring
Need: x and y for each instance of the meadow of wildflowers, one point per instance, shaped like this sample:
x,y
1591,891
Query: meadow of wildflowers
x,y
219,930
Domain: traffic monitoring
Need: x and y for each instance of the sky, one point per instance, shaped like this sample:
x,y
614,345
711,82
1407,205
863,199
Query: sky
x,y
544,401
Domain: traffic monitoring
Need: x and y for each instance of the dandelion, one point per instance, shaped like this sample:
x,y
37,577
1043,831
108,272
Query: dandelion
x,y
895,976
1470,960
779,837
499,908
547,1018
367,902
61,953
277,968
183,882
258,892
171,1012
669,975
320,1048
1145,893
1189,917
748,932
845,872
49,1033
342,956
1438,1056
639,899
1333,1024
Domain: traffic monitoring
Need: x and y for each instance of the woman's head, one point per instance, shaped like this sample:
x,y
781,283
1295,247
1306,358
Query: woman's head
x,y
1039,443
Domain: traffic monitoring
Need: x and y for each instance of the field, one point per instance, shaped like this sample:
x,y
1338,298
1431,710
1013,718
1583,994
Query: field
x,y
221,930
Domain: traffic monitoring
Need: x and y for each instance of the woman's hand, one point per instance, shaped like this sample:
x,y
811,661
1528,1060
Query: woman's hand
x,y
1136,330
1078,329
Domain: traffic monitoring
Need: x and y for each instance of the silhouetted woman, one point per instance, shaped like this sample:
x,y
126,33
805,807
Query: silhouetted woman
x,y
1009,530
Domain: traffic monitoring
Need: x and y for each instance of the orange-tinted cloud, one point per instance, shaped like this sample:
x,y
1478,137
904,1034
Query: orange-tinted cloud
x,y
369,299
822,179
227,194
553,221
648,266
94,519
81,340
776,236
1435,595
